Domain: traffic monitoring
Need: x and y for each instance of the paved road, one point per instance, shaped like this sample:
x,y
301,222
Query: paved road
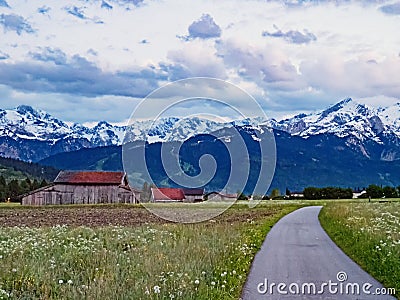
x,y
297,252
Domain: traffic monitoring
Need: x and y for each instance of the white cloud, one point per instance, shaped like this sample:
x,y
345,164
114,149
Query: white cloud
x,y
321,52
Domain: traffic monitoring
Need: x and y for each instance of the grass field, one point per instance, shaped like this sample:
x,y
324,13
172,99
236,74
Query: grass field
x,y
370,234
124,252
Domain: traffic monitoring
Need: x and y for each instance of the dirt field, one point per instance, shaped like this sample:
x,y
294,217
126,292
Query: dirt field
x,y
95,216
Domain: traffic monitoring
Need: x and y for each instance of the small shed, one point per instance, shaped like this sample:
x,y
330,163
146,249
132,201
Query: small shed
x,y
193,195
167,195
84,187
217,196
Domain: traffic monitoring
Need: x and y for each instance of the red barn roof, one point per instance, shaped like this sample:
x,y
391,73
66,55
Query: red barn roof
x,y
167,194
90,177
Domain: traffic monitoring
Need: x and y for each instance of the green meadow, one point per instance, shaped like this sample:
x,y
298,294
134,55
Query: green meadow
x,y
157,260
124,252
370,234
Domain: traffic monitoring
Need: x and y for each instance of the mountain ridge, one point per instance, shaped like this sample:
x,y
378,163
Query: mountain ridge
x,y
33,134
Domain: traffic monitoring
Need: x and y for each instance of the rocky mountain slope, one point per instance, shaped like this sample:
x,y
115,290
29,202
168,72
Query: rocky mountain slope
x,y
31,134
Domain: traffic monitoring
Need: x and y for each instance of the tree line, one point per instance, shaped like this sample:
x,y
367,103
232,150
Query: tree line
x,y
372,191
375,191
314,193
29,168
12,190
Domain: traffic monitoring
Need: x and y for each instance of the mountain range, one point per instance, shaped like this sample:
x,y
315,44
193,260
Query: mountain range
x,y
348,144
32,134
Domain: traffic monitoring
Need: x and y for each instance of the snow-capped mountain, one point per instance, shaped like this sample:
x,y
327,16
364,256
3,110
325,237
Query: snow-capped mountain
x,y
32,134
25,122
345,119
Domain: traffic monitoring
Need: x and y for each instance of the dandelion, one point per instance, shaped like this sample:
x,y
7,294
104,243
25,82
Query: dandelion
x,y
69,281
212,283
14,270
60,281
196,281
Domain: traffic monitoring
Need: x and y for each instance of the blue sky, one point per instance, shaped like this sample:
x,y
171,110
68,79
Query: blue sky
x,y
90,60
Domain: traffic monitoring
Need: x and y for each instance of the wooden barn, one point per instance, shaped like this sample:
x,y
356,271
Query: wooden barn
x,y
193,195
84,187
217,196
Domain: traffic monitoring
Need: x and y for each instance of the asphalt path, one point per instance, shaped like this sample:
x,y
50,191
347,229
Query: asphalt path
x,y
298,260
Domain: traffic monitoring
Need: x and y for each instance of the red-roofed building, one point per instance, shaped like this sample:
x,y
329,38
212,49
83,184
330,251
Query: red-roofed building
x,y
91,177
84,187
167,195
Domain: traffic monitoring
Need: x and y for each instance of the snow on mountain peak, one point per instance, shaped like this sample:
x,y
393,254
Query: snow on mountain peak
x,y
344,119
347,118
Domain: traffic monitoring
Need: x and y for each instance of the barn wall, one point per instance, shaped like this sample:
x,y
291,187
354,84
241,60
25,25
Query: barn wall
x,y
214,197
79,194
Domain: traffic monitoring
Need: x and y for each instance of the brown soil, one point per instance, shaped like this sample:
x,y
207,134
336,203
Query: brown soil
x,y
95,216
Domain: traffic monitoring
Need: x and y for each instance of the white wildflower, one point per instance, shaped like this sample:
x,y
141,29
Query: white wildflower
x,y
156,289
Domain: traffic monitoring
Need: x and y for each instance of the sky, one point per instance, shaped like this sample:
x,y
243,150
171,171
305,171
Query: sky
x,y
90,60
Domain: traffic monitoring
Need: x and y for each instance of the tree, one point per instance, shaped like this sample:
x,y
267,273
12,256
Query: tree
x,y
287,193
2,181
389,192
275,193
43,183
374,191
25,186
241,196
312,193
146,192
35,184
14,189
3,188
